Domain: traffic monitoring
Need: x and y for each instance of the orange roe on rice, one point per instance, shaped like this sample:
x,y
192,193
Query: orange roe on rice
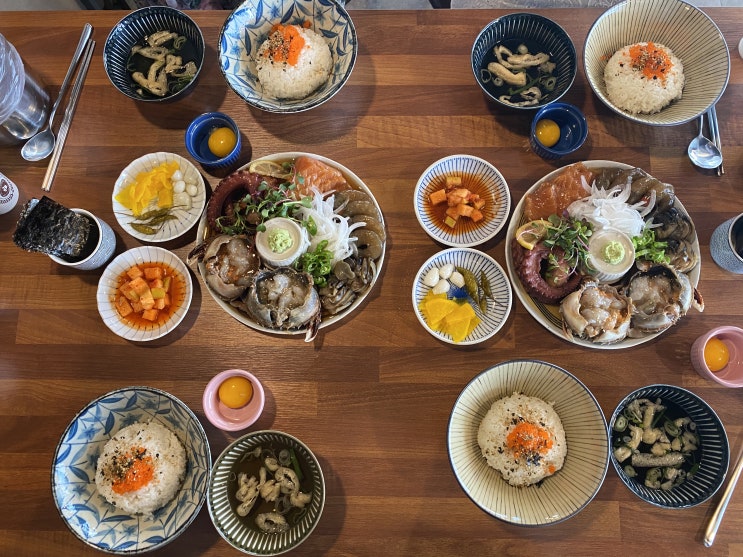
x,y
528,440
134,470
653,62
285,44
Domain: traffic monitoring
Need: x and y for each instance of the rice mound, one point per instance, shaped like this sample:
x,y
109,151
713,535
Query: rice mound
x,y
151,442
646,84
522,437
283,80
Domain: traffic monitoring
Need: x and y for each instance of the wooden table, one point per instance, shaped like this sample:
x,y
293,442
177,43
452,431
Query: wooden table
x,y
372,396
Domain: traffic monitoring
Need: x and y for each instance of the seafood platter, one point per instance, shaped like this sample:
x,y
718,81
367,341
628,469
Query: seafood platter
x,y
290,243
620,270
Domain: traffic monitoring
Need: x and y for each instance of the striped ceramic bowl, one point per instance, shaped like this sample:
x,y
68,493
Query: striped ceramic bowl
x,y
715,451
109,283
557,497
686,30
496,300
478,176
242,532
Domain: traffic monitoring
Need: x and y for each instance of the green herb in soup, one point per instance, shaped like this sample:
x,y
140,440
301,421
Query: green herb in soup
x,y
657,443
162,64
267,489
519,74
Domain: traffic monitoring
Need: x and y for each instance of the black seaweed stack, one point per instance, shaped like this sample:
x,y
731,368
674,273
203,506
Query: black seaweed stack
x,y
46,226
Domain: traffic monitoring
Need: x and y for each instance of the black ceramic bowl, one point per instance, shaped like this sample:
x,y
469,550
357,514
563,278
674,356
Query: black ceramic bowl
x,y
132,30
537,33
713,456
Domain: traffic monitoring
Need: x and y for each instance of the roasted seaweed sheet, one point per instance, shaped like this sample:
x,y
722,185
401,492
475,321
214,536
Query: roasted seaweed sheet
x,y
46,226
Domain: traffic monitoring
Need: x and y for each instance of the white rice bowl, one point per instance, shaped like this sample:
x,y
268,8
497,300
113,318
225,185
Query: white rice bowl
x,y
166,455
285,81
514,418
631,90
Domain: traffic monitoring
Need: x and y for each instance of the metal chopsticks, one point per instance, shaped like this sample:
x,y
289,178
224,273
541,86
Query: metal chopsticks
x,y
714,129
77,87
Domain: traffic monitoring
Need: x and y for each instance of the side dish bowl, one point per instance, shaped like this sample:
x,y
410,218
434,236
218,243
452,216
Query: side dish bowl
x,y
690,33
496,294
249,25
558,497
132,30
109,283
181,218
87,514
241,532
479,177
713,441
537,33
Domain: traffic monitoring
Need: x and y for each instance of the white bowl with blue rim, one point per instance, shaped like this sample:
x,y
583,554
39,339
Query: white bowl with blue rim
x,y
87,514
479,176
108,286
249,25
494,293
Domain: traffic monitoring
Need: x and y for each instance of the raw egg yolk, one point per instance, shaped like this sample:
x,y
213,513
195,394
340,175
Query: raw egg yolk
x,y
222,141
716,354
548,132
235,392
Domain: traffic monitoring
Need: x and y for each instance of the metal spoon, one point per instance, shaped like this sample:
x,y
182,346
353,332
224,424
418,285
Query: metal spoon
x,y
41,145
702,151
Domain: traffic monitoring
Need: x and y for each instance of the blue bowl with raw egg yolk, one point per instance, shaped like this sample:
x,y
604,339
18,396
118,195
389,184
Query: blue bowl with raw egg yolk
x,y
213,140
233,409
566,126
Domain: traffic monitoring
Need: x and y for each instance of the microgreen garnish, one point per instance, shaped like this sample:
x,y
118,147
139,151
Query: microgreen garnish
x,y
572,236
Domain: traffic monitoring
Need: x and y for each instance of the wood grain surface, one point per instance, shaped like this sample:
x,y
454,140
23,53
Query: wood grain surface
x,y
372,395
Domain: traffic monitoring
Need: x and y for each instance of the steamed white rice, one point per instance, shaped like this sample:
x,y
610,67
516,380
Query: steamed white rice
x,y
646,83
522,437
283,80
153,444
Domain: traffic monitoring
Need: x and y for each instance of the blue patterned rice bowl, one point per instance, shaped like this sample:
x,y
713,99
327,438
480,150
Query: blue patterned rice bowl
x,y
249,25
87,514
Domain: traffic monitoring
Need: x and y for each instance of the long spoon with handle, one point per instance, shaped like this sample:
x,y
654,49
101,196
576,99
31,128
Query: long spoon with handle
x,y
41,145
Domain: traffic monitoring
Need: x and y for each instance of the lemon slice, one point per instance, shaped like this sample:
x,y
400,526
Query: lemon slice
x,y
529,234
269,168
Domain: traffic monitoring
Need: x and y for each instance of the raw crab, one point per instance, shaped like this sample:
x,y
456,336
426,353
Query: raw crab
x,y
284,298
661,296
597,312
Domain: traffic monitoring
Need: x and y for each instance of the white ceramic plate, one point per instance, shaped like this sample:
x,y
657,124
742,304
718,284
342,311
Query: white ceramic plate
x,y
476,261
171,229
483,178
548,315
557,497
87,514
241,533
107,286
246,319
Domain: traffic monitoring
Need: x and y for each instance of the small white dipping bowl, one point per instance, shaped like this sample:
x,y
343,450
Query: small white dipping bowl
x,y
299,242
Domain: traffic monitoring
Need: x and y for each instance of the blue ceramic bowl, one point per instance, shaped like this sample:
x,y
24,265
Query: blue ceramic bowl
x,y
715,451
197,140
536,32
87,514
573,130
248,26
131,30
